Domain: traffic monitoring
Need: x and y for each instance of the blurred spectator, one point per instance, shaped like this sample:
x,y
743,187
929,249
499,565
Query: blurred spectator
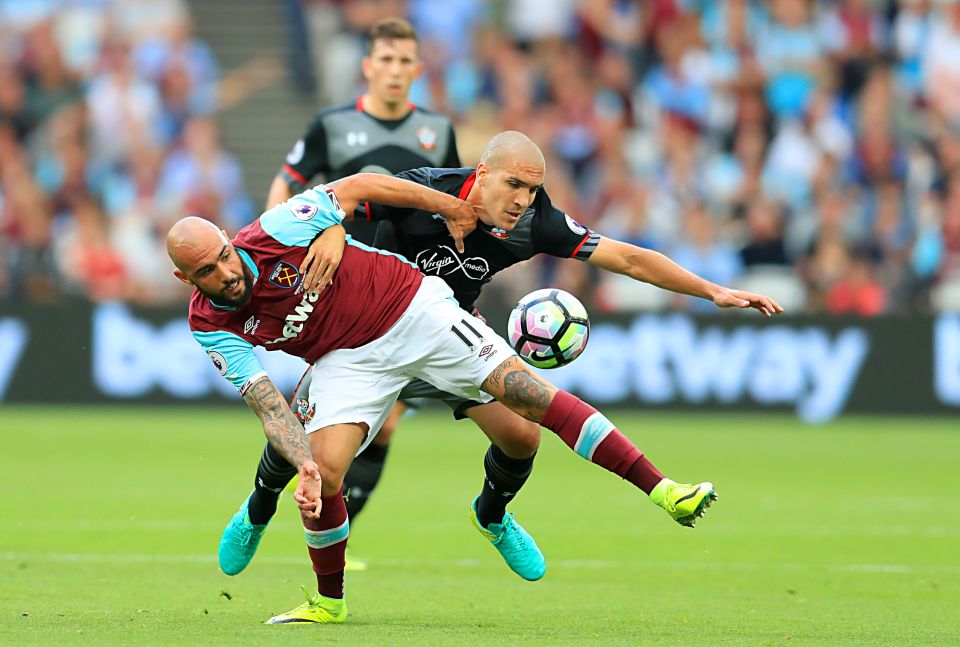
x,y
50,84
854,34
123,108
791,55
765,245
702,252
202,179
911,31
941,64
857,292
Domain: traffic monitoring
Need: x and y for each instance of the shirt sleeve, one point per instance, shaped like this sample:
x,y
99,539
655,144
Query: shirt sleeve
x,y
297,221
307,158
557,234
374,211
232,357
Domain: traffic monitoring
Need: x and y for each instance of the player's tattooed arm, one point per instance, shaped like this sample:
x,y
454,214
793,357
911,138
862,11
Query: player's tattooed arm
x,y
280,424
286,434
520,389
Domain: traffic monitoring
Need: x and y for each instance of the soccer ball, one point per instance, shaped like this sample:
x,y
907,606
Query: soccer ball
x,y
548,328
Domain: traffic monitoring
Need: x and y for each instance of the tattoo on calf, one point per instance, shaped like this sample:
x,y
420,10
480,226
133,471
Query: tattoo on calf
x,y
280,425
497,374
523,389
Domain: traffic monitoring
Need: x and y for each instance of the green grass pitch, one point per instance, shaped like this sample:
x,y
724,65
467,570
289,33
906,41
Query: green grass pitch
x,y
841,534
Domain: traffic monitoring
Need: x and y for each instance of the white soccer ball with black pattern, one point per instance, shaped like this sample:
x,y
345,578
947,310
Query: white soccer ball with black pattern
x,y
548,328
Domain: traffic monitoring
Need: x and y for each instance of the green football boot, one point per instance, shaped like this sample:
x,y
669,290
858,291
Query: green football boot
x,y
514,544
684,503
239,542
317,609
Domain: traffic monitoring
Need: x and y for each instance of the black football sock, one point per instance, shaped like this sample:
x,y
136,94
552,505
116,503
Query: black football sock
x,y
273,474
362,477
505,477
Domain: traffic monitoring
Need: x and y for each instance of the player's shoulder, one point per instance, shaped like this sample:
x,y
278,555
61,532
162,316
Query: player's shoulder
x,y
334,112
430,114
441,179
547,218
203,316
542,209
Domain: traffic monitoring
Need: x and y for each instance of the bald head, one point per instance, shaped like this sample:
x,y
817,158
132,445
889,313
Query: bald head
x,y
191,237
206,259
509,147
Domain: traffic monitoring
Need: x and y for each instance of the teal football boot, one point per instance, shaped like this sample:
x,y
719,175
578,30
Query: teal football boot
x,y
514,544
239,542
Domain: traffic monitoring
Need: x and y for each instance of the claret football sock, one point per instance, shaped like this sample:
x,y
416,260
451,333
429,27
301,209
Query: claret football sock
x,y
326,543
588,432
361,479
504,478
273,474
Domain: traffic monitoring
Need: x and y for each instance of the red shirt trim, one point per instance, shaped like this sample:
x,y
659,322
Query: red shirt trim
x,y
292,172
585,238
467,185
358,104
366,205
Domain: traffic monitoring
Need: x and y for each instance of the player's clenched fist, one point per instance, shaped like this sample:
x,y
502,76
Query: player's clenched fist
x,y
307,494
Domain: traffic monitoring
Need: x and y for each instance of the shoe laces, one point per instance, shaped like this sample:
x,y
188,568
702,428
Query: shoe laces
x,y
509,538
312,600
243,534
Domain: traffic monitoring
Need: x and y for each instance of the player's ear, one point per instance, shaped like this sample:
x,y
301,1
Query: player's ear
x,y
182,277
365,66
419,70
481,171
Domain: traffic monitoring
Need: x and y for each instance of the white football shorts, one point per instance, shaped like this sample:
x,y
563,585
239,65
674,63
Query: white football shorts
x,y
434,340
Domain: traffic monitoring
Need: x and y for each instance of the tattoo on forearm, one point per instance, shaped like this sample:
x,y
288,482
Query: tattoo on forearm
x,y
280,425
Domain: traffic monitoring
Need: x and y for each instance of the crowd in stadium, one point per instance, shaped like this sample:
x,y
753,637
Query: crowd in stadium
x,y
806,149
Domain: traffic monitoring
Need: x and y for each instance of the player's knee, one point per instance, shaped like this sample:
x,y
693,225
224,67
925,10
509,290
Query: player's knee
x,y
331,475
523,439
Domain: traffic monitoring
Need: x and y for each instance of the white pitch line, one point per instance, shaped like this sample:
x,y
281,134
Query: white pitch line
x,y
175,525
280,560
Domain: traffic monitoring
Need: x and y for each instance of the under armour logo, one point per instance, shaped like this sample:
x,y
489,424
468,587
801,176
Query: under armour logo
x,y
356,138
263,486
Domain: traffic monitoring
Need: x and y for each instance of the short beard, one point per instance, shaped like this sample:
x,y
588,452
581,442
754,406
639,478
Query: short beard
x,y
226,302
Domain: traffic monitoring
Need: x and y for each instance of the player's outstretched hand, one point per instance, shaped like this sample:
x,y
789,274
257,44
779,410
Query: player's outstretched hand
x,y
460,222
728,298
307,494
323,257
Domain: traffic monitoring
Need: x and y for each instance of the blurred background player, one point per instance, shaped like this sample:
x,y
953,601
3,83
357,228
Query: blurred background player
x,y
381,131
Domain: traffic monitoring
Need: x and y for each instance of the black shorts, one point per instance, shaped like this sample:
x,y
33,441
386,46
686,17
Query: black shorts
x,y
417,391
